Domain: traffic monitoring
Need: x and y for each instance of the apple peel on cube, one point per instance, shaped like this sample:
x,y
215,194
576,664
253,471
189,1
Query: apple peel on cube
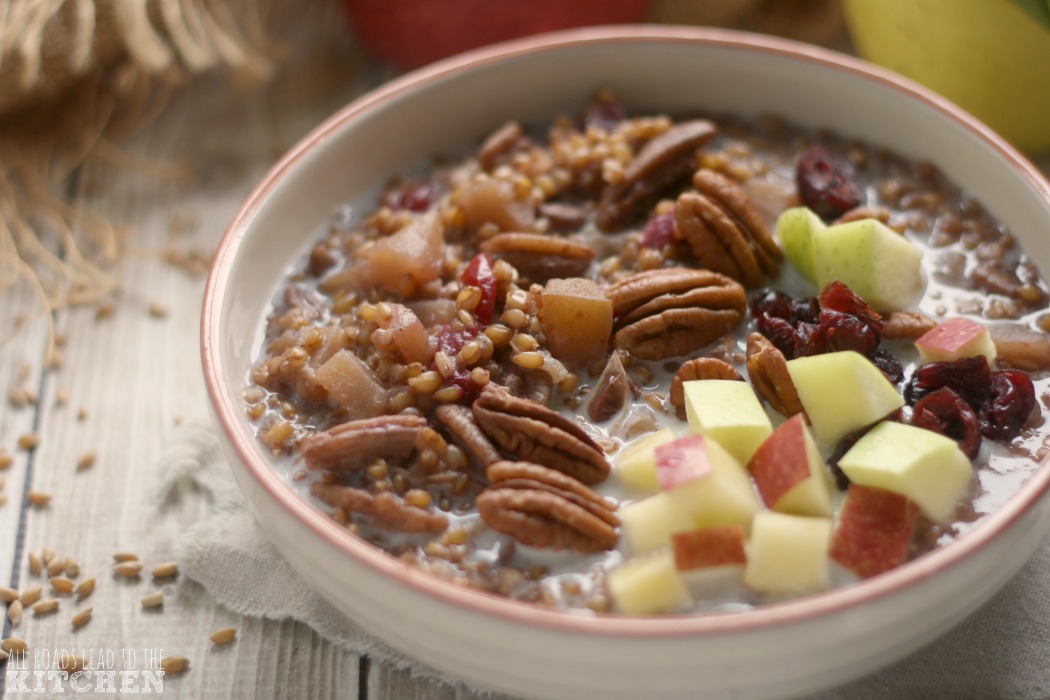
x,y
926,467
729,412
710,560
955,339
723,495
788,554
841,392
648,585
882,266
636,464
789,472
874,530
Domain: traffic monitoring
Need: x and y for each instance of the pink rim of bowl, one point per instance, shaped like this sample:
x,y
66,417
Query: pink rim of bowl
x,y
229,412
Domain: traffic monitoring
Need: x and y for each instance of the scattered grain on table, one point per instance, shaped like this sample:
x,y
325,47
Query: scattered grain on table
x,y
223,636
38,499
36,566
82,618
61,396
165,570
172,665
57,567
47,555
153,600
45,607
32,595
14,613
82,414
14,645
128,569
71,663
6,459
125,556
28,441
158,310
85,588
61,584
86,460
8,595
72,567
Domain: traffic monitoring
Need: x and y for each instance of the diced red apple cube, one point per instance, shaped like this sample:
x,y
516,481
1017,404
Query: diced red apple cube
x,y
956,339
789,472
874,530
707,547
680,461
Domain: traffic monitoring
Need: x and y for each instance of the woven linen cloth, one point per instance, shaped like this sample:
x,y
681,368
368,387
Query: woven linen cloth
x,y
1001,652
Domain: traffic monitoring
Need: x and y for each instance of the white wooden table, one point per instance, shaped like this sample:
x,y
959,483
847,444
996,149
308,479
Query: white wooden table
x,y
127,380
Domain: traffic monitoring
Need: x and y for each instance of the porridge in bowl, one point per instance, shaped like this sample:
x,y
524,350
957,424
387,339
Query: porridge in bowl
x,y
644,364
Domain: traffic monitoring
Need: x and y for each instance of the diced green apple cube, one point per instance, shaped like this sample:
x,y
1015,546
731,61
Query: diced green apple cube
x,y
795,228
883,267
788,554
648,585
649,523
955,339
724,495
729,412
841,392
636,464
925,466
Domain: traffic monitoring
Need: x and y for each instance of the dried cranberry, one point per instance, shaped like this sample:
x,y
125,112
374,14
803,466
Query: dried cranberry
x,y
660,231
480,274
970,378
807,309
848,332
451,339
773,303
945,412
604,115
415,195
825,183
810,339
1012,401
837,296
462,378
890,366
781,333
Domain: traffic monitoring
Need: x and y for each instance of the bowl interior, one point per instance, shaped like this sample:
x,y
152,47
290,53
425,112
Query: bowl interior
x,y
459,101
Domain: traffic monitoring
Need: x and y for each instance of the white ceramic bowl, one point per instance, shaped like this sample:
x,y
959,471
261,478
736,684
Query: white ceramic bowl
x,y
776,650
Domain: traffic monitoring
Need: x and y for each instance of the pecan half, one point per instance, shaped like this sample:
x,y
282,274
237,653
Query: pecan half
x,y
698,368
768,370
725,231
459,424
385,509
906,325
674,311
659,164
541,507
540,257
353,444
501,141
535,433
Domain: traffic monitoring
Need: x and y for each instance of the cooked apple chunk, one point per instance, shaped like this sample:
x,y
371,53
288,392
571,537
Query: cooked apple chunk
x,y
577,320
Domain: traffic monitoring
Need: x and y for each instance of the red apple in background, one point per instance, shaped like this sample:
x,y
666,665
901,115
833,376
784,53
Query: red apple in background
x,y
410,33
874,530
